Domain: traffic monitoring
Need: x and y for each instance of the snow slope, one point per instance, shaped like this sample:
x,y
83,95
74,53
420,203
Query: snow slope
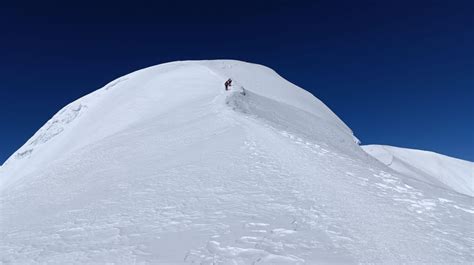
x,y
440,170
164,166
145,94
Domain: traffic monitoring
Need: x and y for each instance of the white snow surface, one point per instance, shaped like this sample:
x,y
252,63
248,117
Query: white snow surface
x,y
164,166
440,170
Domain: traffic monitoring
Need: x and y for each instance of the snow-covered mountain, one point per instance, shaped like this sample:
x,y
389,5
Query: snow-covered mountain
x,y
165,166
437,169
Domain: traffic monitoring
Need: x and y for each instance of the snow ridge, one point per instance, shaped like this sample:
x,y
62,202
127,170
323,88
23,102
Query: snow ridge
x,y
164,166
440,170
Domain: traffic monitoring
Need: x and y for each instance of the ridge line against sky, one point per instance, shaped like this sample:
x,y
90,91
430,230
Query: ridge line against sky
x,y
396,72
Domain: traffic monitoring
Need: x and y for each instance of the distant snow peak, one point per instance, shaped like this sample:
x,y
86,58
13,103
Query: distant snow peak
x,y
440,170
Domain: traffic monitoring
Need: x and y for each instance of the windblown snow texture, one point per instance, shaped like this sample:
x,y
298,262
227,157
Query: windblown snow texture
x,y
439,170
164,166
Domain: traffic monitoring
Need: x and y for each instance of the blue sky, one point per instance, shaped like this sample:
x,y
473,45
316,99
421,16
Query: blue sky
x,y
397,72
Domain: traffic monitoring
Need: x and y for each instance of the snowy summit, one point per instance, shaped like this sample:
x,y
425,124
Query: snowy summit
x,y
164,165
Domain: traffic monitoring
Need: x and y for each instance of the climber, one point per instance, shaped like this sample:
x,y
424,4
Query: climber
x,y
227,84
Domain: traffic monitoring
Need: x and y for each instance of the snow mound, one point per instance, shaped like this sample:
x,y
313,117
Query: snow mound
x,y
163,166
437,169
149,93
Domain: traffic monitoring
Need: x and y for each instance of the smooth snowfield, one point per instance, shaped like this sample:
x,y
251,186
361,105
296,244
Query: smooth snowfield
x,y
437,169
164,166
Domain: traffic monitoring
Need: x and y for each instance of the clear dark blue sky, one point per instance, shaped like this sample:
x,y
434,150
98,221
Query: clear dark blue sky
x,y
397,72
